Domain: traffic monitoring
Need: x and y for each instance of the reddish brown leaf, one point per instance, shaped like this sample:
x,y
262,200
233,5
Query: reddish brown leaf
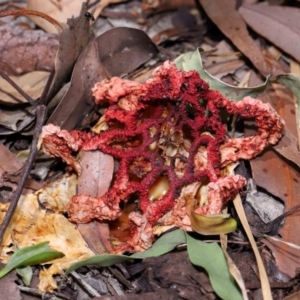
x,y
116,52
23,51
95,179
280,250
8,287
278,24
279,176
72,41
230,22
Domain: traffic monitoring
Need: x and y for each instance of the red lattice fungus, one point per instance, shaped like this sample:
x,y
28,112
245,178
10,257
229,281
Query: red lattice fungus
x,y
166,131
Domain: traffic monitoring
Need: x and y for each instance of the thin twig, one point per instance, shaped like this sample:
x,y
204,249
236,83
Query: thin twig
x,y
41,112
86,286
37,292
17,88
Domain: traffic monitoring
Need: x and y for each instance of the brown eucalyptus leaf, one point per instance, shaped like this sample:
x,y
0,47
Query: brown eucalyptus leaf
x,y
124,49
287,256
230,22
116,52
165,5
10,165
8,287
95,179
58,10
77,101
97,172
288,147
275,173
32,83
278,24
23,51
13,120
72,41
102,4
9,162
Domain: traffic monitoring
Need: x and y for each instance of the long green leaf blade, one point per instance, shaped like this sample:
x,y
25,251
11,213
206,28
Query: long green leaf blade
x,y
192,61
210,257
31,255
163,245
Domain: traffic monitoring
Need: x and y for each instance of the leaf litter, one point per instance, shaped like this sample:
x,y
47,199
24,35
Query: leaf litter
x,y
50,202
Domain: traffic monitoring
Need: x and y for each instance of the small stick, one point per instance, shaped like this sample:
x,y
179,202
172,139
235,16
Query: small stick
x,y
41,112
17,88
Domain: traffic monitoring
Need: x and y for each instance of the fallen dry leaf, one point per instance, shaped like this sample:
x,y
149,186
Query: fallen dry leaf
x,y
278,24
117,51
95,180
8,288
23,51
102,4
58,10
222,62
230,22
9,165
283,251
278,175
72,40
32,83
15,120
150,6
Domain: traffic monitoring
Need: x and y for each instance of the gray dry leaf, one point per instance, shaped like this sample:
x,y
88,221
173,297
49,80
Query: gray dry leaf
x,y
14,120
230,22
278,24
8,287
23,51
95,180
114,53
32,83
72,41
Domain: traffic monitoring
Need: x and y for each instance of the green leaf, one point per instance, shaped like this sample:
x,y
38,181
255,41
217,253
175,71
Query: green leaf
x,y
31,255
210,257
26,274
163,245
192,61
102,260
212,225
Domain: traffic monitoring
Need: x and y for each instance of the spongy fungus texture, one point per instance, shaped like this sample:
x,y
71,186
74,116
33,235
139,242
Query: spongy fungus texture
x,y
167,129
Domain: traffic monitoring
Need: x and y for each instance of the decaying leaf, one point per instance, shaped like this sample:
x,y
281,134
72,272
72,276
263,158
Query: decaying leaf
x,y
115,52
9,289
286,254
164,5
278,24
14,120
102,4
32,83
95,179
230,22
193,61
72,41
223,61
23,51
58,10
